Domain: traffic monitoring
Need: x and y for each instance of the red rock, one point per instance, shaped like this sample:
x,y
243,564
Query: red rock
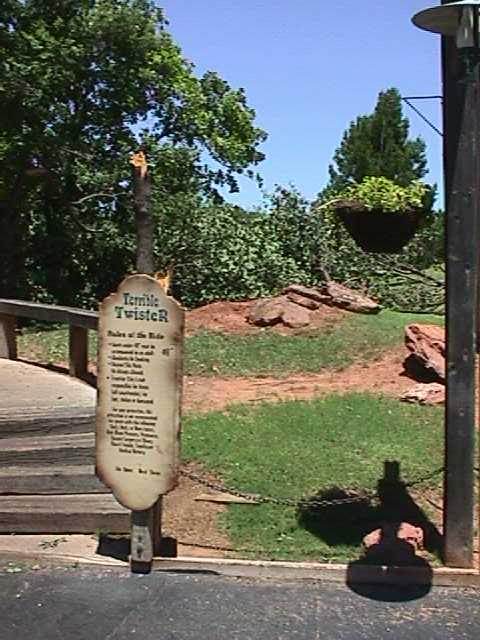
x,y
295,316
274,310
432,394
341,296
308,303
426,344
267,312
394,532
307,292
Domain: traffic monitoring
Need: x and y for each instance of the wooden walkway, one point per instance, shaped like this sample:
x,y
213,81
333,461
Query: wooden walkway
x,y
47,447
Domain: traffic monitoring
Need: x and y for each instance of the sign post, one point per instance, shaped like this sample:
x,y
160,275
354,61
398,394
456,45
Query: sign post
x,y
139,400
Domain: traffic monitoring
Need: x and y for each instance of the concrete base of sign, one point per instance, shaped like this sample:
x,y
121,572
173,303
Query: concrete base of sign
x,y
75,550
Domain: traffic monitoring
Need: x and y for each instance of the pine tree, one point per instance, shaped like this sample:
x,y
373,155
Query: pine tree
x,y
378,145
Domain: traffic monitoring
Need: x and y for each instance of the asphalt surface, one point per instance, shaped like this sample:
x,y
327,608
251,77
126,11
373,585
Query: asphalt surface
x,y
93,604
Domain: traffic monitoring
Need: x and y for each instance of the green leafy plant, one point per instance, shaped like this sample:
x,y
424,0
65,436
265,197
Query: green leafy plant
x,y
379,194
51,544
14,567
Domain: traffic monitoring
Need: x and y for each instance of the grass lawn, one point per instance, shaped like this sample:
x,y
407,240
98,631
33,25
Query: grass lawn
x,y
297,449
334,346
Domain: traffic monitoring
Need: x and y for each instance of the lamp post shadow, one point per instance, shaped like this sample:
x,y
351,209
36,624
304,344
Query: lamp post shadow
x,y
389,569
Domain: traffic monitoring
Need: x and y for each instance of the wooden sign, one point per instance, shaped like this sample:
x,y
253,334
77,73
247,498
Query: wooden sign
x,y
139,392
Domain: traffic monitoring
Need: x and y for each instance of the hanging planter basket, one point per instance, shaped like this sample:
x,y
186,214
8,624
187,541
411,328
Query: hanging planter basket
x,y
375,230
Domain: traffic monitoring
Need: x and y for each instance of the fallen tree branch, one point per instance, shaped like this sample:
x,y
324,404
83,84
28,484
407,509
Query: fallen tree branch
x,y
404,269
113,196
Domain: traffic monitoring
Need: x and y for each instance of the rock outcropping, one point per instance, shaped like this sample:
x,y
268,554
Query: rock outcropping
x,y
271,311
294,307
425,363
426,344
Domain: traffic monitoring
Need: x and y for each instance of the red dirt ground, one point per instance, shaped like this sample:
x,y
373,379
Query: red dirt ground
x,y
231,317
384,375
214,393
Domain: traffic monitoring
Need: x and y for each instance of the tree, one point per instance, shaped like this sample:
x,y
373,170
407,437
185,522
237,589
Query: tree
x,y
82,84
378,145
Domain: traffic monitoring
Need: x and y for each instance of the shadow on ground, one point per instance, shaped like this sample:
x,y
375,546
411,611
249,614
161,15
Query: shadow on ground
x,y
112,546
118,547
349,520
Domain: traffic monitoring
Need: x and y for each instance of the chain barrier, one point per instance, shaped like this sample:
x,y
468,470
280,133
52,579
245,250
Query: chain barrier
x,y
290,502
311,502
286,502
422,479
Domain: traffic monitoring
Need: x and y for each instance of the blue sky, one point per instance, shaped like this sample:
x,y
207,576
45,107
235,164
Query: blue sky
x,y
310,67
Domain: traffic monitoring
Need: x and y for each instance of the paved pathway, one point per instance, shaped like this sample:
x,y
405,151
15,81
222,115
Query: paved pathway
x,y
74,604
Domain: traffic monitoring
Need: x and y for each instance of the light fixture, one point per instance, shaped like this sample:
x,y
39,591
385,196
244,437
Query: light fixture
x,y
457,19
460,20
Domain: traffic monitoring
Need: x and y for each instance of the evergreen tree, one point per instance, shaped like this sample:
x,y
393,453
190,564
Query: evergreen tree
x,y
378,145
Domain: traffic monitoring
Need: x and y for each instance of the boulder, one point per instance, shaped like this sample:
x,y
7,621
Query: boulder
x,y
268,312
338,295
292,308
432,394
274,310
308,303
310,293
426,344
295,316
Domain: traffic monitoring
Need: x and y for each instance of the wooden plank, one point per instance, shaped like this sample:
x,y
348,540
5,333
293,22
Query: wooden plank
x,y
62,514
8,339
225,498
47,480
77,351
55,450
50,313
77,421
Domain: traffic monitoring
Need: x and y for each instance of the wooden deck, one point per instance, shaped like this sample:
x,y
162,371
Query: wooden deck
x,y
47,450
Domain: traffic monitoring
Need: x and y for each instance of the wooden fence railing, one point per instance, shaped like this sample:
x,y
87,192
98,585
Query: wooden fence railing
x,y
78,320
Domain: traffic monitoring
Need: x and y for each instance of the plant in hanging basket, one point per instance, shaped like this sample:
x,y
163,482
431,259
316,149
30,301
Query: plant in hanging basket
x,y
380,215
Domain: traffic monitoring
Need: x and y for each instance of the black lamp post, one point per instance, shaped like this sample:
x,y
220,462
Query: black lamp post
x,y
459,22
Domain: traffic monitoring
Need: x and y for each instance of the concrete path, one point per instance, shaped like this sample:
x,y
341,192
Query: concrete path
x,y
75,604
27,391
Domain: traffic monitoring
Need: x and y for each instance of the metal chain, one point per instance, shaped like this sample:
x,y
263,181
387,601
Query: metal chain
x,y
301,502
287,502
422,479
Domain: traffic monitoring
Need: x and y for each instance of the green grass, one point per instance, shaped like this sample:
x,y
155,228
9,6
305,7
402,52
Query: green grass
x,y
333,346
51,345
295,449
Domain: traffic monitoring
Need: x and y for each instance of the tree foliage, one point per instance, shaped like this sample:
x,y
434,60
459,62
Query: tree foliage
x,y
221,251
81,82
